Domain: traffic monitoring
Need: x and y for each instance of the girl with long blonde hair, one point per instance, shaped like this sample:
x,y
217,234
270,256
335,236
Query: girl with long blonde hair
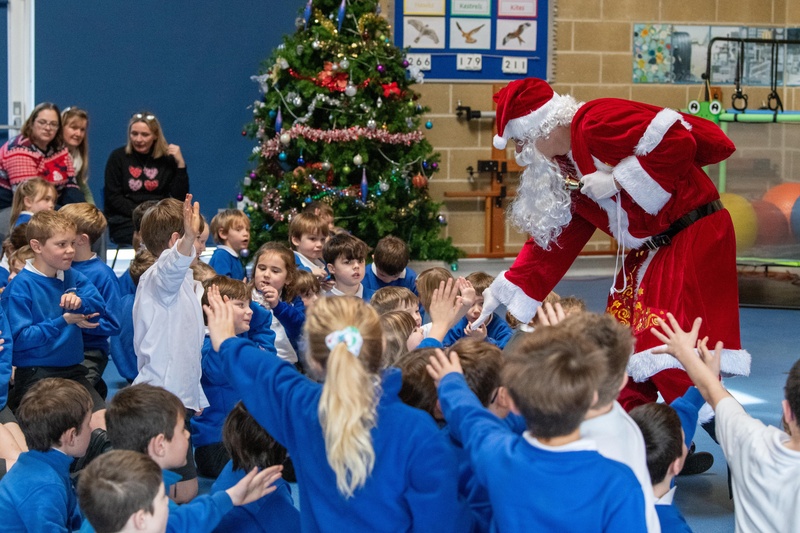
x,y
364,460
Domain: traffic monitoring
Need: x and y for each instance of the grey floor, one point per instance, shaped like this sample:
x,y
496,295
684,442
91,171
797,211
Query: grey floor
x,y
773,338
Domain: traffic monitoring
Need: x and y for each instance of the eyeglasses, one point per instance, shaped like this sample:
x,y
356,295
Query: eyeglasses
x,y
140,116
45,124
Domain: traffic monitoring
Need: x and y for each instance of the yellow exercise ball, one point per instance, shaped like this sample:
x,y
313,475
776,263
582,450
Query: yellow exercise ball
x,y
745,222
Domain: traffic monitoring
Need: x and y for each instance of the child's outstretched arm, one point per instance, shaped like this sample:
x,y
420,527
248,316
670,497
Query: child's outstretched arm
x,y
220,318
446,309
255,485
703,370
191,226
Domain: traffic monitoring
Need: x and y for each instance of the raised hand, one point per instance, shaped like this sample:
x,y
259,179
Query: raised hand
x,y
255,485
219,316
440,365
549,314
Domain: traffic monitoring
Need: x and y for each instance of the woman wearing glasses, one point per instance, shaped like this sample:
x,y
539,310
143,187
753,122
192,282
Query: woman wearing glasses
x,y
38,152
147,168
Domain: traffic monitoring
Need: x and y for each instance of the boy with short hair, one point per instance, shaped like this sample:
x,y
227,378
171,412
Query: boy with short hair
x,y
322,210
764,461
230,229
392,298
90,225
666,452
123,492
37,494
306,286
552,379
494,330
48,304
345,256
307,235
150,420
168,296
389,266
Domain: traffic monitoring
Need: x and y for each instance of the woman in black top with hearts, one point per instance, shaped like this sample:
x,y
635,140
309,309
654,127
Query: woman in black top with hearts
x,y
147,168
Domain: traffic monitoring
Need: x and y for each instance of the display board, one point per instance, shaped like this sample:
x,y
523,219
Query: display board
x,y
475,40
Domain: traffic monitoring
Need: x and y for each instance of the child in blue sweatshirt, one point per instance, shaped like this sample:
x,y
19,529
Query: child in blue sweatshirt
x,y
389,266
48,305
364,460
122,491
346,257
230,229
148,419
250,446
37,493
494,330
548,478
91,225
210,454
307,234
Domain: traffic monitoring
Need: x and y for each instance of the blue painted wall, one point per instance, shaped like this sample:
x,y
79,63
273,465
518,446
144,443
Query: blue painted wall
x,y
188,62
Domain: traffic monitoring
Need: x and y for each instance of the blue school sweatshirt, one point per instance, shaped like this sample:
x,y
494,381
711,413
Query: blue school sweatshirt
x,y
105,281
261,328
222,395
126,285
41,335
37,494
671,519
4,273
497,332
538,489
292,316
121,346
413,483
227,264
5,358
371,281
688,407
273,513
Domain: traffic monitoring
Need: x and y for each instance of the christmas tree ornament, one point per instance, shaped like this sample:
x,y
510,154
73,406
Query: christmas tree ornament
x,y
379,103
315,44
350,90
297,101
301,161
403,212
307,200
428,125
442,220
267,227
299,49
371,124
384,186
299,23
247,181
282,156
358,160
419,181
272,114
326,166
253,175
244,133
435,165
381,69
409,123
405,63
346,169
239,197
454,267
285,138
344,64
306,14
364,185
341,16
245,252
278,121
334,66
425,165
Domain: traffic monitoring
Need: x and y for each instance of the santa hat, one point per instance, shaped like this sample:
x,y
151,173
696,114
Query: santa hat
x,y
522,106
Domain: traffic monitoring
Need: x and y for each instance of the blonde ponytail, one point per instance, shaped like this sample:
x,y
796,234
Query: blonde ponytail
x,y
348,406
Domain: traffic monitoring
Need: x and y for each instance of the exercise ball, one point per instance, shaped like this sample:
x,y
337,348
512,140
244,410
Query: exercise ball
x,y
784,196
745,224
795,220
773,228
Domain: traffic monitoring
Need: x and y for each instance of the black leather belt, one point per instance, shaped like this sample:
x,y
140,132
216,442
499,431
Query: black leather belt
x,y
665,238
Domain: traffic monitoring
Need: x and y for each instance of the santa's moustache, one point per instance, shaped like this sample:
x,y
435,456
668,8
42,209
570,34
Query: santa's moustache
x,y
542,205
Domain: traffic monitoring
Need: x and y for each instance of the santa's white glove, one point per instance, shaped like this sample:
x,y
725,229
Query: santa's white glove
x,y
599,185
490,303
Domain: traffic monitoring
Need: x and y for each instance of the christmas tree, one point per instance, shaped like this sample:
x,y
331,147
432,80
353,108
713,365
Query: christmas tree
x,y
338,122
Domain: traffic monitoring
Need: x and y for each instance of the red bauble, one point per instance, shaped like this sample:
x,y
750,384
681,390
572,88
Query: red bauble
x,y
419,181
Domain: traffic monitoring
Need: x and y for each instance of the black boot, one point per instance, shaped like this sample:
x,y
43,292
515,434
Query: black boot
x,y
697,462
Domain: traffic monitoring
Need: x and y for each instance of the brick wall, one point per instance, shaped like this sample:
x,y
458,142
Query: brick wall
x,y
593,57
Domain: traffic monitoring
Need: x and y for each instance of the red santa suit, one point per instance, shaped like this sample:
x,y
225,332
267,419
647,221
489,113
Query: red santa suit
x,y
655,155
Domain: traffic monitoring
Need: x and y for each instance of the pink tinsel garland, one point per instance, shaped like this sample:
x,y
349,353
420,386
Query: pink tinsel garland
x,y
272,147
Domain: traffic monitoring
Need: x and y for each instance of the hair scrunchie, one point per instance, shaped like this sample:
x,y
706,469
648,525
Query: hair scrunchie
x,y
350,336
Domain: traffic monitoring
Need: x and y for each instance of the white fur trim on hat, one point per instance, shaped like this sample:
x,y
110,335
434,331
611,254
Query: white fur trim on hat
x,y
520,127
644,190
646,364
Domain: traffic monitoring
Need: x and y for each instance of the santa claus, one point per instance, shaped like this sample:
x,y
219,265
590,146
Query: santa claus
x,y
634,171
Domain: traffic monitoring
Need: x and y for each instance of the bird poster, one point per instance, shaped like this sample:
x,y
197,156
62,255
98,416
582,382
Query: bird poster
x,y
424,32
516,34
471,33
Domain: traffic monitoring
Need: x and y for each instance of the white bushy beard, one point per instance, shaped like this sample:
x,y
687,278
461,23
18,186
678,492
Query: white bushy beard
x,y
542,206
